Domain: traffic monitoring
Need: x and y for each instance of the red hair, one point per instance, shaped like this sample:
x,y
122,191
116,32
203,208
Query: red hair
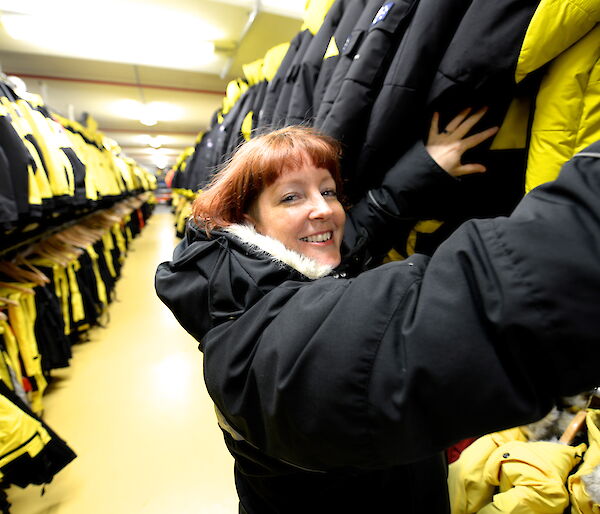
x,y
256,165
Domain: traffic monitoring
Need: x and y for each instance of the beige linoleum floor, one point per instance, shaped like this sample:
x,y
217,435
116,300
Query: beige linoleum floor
x,y
134,407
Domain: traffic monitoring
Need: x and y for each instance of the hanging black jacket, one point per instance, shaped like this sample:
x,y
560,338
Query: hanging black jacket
x,y
19,161
284,93
8,206
339,21
330,80
267,109
348,116
337,394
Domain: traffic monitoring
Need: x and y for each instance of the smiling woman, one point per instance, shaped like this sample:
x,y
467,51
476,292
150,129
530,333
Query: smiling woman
x,y
327,382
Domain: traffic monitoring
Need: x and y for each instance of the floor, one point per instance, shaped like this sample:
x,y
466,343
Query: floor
x,y
133,406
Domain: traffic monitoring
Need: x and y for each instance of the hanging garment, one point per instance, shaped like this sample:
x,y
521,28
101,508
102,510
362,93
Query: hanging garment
x,y
348,116
330,81
284,94
22,321
30,451
273,62
49,328
331,57
339,19
57,165
14,380
566,116
530,477
265,116
22,127
21,168
8,206
467,488
584,483
318,13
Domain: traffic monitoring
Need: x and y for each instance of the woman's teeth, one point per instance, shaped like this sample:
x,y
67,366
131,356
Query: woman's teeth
x,y
319,238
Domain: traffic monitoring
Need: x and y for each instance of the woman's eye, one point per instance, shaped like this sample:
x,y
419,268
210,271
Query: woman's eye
x,y
330,192
289,198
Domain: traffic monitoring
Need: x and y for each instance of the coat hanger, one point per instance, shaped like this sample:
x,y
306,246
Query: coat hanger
x,y
53,244
20,260
44,250
70,239
578,422
79,233
21,275
16,287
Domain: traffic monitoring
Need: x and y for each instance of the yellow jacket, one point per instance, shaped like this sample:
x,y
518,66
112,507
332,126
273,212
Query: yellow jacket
x,y
581,503
466,486
565,36
502,472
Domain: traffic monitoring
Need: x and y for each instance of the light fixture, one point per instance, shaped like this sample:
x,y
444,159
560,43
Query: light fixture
x,y
147,119
186,41
160,160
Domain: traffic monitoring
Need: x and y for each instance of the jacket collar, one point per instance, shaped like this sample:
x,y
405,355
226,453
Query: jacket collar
x,y
275,249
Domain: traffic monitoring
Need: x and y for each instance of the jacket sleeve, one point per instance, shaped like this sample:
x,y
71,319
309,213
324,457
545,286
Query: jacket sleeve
x,y
414,188
408,358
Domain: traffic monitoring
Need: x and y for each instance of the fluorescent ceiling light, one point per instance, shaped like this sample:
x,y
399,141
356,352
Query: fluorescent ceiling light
x,y
153,141
160,159
148,120
148,114
291,8
139,34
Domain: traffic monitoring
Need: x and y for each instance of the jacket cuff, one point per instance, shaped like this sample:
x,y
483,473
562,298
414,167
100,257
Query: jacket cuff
x,y
416,187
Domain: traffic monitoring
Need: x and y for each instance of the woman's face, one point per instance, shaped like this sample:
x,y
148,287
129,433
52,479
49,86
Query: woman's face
x,y
301,210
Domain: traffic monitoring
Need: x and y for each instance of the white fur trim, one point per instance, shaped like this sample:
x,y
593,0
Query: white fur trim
x,y
278,251
544,428
592,484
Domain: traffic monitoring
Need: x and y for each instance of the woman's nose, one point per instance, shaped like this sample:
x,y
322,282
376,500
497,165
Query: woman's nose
x,y
320,208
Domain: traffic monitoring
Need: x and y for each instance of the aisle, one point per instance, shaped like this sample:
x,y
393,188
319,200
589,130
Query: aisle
x,y
133,406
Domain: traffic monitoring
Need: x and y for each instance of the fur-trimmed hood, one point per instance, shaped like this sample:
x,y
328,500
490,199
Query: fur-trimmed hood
x,y
267,246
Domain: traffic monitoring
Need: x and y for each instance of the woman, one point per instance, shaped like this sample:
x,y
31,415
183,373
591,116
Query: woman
x,y
338,388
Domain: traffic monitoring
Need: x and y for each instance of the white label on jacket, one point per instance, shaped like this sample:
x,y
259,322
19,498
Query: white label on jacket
x,y
383,12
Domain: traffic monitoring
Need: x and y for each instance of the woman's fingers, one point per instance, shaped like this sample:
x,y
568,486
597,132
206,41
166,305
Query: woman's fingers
x,y
468,123
468,169
480,137
434,127
456,121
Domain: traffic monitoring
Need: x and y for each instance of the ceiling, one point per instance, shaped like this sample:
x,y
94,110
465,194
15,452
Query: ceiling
x,y
108,58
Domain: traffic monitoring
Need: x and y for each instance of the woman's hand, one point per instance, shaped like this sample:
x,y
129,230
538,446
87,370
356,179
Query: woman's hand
x,y
447,147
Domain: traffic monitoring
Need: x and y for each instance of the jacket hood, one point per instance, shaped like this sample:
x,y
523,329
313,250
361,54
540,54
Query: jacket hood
x,y
214,279
555,26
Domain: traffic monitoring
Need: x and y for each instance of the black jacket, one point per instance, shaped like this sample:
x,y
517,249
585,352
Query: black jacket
x,y
267,110
348,116
363,381
8,205
330,81
338,22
